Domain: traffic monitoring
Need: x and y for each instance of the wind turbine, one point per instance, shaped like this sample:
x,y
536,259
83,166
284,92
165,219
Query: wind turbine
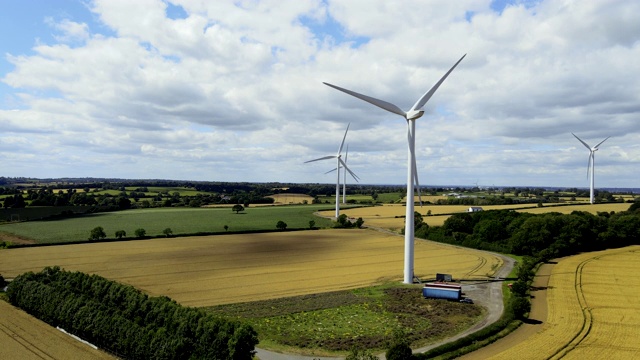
x,y
412,174
591,164
339,164
344,182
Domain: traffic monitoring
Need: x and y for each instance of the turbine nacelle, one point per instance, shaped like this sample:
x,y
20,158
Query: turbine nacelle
x,y
414,114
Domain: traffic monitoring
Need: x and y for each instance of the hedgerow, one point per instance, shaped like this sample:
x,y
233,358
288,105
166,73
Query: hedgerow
x,y
126,322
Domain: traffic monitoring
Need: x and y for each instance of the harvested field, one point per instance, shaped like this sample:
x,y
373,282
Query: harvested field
x,y
25,337
593,309
212,270
287,199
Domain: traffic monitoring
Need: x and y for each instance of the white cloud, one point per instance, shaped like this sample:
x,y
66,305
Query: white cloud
x,y
233,91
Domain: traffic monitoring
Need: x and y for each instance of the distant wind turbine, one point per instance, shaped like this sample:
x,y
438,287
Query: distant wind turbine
x,y
339,164
591,165
412,174
344,182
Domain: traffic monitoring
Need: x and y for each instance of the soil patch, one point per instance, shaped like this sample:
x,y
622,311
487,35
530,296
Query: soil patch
x,y
15,239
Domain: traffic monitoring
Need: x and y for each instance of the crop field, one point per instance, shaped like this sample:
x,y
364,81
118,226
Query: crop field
x,y
291,198
593,309
25,337
212,270
391,216
154,221
592,208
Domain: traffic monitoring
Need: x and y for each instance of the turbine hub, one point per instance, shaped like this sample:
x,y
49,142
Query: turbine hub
x,y
414,114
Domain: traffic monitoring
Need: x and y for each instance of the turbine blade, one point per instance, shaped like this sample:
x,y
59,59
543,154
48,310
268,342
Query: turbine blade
x,y
353,175
423,100
346,154
332,170
415,176
345,136
377,102
322,158
413,165
583,143
600,143
589,163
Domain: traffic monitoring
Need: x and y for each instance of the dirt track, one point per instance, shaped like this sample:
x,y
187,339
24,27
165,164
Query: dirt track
x,y
536,319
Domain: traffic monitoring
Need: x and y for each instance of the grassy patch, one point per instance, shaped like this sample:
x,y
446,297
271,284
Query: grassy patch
x,y
180,220
335,322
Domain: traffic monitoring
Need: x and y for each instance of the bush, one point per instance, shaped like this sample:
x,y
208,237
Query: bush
x,y
520,288
358,354
120,234
400,351
521,306
140,233
167,232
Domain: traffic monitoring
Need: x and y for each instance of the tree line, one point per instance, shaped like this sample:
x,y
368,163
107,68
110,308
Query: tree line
x,y
127,322
542,236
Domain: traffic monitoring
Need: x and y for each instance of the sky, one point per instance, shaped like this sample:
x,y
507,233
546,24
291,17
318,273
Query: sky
x,y
233,90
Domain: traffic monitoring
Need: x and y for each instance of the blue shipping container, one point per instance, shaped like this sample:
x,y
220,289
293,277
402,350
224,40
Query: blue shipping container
x,y
441,293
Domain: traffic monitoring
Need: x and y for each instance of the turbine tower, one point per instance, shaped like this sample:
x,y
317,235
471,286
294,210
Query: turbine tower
x,y
591,165
344,182
339,163
412,174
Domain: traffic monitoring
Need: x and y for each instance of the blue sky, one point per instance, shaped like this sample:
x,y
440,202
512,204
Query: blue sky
x,y
232,90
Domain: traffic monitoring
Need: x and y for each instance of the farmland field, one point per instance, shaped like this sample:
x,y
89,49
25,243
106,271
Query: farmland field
x,y
212,270
593,309
291,198
391,216
25,337
154,221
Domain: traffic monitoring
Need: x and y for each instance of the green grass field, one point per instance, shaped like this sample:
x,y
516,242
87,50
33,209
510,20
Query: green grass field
x,y
180,220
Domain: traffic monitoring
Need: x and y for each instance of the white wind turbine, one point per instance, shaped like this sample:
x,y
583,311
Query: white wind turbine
x,y
591,165
412,174
339,164
344,182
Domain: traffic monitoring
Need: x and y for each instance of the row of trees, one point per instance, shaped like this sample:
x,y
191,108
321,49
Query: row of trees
x,y
125,321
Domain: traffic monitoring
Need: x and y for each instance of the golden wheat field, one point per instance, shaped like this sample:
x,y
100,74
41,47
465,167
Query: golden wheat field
x,y
593,309
212,270
24,337
391,216
280,199
592,208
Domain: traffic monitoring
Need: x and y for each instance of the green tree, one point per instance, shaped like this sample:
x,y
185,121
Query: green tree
x,y
97,233
281,225
343,220
359,222
312,224
226,228
167,232
3,283
140,233
237,208
521,306
120,234
400,351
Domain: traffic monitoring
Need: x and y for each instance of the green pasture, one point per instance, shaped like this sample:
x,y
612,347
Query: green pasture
x,y
155,220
